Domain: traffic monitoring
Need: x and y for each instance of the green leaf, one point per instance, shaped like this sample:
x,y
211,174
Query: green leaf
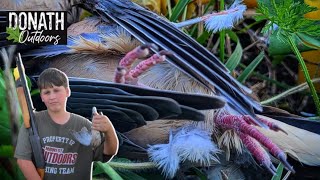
x,y
233,36
178,10
5,133
105,168
35,92
245,74
203,37
279,47
6,151
260,17
236,56
278,175
14,34
309,41
289,16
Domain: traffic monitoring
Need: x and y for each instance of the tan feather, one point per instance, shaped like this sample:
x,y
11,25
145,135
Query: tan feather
x,y
230,140
302,145
88,25
117,41
155,132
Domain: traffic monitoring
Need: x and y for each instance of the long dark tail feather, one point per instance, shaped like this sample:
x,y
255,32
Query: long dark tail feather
x,y
121,121
199,67
128,106
100,90
148,113
299,122
189,113
134,115
292,119
197,101
165,106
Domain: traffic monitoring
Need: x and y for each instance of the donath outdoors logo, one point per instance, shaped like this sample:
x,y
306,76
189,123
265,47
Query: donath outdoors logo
x,y
35,27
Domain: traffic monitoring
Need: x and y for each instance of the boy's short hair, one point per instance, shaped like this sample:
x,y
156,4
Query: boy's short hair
x,y
52,77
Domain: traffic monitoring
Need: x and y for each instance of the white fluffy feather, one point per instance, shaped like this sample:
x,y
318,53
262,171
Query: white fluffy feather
x,y
188,143
166,157
224,20
195,145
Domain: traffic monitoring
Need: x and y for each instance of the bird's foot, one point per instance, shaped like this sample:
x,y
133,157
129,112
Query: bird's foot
x,y
126,74
139,52
252,138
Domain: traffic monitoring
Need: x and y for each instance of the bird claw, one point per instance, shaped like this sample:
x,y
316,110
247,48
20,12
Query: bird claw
x,y
125,74
138,52
242,126
273,126
165,52
283,160
274,169
119,76
270,167
149,46
277,128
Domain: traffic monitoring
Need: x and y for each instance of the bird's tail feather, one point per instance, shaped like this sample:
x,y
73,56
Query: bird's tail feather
x,y
300,144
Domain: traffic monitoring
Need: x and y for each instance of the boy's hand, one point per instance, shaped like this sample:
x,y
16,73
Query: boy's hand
x,y
101,123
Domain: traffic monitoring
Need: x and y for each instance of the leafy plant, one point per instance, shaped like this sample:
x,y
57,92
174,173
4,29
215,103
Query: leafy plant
x,y
5,137
8,166
107,169
251,67
121,168
288,15
287,19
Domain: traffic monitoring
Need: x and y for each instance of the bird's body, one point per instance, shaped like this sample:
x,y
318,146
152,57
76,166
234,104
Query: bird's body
x,y
90,62
97,53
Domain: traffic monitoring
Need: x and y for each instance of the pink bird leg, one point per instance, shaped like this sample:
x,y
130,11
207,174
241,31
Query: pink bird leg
x,y
258,152
241,124
271,125
119,76
138,52
123,74
146,64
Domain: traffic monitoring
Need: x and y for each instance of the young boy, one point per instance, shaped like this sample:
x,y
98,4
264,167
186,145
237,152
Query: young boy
x,y
65,157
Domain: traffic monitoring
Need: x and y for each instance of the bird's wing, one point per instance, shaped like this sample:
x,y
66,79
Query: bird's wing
x,y
128,106
189,56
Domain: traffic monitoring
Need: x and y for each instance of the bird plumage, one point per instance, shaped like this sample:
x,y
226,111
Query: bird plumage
x,y
194,70
299,143
189,56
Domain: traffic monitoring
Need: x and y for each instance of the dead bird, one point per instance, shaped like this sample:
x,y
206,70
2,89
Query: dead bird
x,y
190,68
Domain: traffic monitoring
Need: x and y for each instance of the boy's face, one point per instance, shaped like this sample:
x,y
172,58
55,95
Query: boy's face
x,y
55,98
